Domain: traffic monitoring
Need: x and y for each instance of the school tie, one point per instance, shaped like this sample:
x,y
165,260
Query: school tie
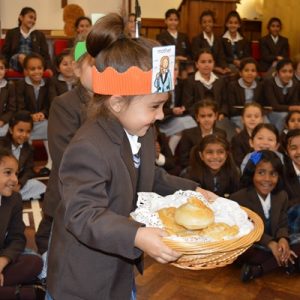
x,y
136,160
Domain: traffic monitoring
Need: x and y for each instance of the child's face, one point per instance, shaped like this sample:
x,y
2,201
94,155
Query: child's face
x,y
252,116
83,27
2,70
294,121
264,140
140,113
275,28
34,70
286,73
131,25
8,175
20,133
249,73
206,118
293,150
214,156
66,67
233,24
172,22
28,20
205,64
207,24
265,178
83,71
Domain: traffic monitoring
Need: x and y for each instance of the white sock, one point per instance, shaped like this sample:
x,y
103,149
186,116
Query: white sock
x,y
49,162
173,141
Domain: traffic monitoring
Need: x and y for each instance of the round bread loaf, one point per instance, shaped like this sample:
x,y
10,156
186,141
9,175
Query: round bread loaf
x,y
194,214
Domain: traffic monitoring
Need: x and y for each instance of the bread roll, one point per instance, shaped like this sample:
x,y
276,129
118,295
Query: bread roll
x,y
194,214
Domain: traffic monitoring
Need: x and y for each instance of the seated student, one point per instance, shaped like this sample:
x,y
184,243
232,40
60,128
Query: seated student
x,y
16,267
16,141
171,36
176,118
273,47
282,93
235,45
32,95
207,39
264,137
83,25
206,115
291,178
212,166
7,99
292,121
252,115
244,90
64,79
262,193
24,40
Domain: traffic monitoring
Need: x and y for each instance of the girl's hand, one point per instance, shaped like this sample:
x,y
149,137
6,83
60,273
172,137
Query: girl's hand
x,y
221,117
150,241
210,196
237,62
276,252
1,279
286,253
1,123
41,116
35,117
180,57
177,111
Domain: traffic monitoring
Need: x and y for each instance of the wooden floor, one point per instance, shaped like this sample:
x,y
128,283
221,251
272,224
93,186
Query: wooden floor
x,y
165,282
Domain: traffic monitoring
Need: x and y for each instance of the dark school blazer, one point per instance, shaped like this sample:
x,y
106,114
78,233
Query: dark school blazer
x,y
67,114
200,42
240,146
57,87
182,43
92,233
269,50
26,97
12,237
7,102
279,202
26,162
274,97
39,44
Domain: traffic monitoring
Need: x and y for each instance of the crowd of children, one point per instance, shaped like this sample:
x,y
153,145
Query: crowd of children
x,y
230,136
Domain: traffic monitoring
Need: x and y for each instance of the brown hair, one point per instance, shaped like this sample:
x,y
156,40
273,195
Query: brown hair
x,y
111,47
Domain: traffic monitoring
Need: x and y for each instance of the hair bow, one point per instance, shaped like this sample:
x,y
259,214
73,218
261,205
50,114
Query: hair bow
x,y
256,157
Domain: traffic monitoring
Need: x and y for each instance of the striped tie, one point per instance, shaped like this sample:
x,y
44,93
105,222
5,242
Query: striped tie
x,y
136,160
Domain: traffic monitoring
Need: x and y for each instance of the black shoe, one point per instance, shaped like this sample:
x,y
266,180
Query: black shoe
x,y
290,269
44,172
250,272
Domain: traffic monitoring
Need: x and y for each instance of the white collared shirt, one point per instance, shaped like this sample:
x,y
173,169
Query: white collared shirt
x,y
266,204
274,38
228,36
3,83
210,40
26,34
16,151
209,83
297,171
35,87
284,87
134,144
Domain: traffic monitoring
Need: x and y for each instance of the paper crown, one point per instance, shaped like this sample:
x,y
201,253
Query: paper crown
x,y
80,49
134,81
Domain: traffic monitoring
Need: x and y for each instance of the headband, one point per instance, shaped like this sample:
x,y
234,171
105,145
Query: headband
x,y
134,81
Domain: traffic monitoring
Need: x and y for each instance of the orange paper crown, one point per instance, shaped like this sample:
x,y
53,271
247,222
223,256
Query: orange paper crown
x,y
132,82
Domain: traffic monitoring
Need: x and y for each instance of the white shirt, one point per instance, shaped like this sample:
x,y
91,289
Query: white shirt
x,y
228,36
210,40
134,144
266,205
274,38
3,83
208,84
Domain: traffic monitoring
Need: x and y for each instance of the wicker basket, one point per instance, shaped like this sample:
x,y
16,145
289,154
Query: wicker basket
x,y
199,256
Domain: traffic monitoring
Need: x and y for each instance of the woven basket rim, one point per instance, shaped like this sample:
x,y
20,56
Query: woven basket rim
x,y
244,242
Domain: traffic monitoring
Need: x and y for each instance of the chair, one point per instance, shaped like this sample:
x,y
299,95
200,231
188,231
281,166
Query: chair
x,y
59,46
255,50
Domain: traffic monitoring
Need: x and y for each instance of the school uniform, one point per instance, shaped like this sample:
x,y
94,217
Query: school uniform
x,y
58,86
200,42
240,146
67,114
38,44
190,138
97,173
194,90
235,49
239,95
30,187
182,43
270,50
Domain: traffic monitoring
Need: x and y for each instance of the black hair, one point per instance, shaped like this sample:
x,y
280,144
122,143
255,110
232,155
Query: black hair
x,y
172,11
60,57
283,62
266,156
20,116
201,51
78,20
291,134
4,152
198,169
273,20
206,13
289,115
233,14
206,102
268,126
247,60
32,56
24,11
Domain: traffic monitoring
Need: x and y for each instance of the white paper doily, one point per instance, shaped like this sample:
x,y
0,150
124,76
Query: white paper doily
x,y
225,210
